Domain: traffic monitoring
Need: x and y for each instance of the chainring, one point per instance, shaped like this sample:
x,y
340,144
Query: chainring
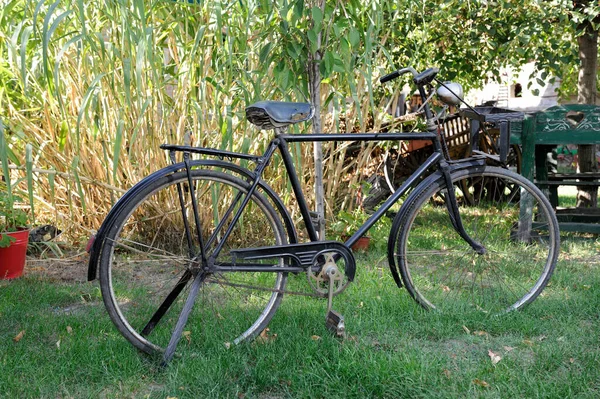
x,y
328,265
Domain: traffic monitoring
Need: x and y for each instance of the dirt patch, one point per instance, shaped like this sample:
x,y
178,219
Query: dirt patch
x,y
70,269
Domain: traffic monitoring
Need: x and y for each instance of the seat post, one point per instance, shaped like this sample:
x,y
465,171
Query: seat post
x,y
280,130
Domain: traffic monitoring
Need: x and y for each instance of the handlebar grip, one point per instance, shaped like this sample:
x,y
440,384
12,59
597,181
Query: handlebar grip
x,y
389,76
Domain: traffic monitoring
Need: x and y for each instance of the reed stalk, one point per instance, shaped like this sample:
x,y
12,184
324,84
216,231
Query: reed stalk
x,y
89,90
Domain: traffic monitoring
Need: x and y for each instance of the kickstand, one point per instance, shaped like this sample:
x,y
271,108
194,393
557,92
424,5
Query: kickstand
x,y
334,321
183,317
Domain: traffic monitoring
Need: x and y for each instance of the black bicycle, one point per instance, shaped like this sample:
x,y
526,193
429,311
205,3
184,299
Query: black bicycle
x,y
208,246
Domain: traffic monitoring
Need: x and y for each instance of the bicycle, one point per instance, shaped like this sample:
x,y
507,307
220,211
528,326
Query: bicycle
x,y
216,230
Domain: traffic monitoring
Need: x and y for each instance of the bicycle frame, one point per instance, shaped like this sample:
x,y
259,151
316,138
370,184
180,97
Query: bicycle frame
x,y
280,142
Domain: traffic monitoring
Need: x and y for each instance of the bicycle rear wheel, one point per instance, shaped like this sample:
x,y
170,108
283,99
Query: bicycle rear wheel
x,y
147,258
504,212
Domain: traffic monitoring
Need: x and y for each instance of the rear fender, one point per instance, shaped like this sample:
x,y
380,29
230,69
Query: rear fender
x,y
97,241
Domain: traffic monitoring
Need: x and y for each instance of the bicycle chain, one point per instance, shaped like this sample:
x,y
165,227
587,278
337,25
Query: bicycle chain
x,y
239,285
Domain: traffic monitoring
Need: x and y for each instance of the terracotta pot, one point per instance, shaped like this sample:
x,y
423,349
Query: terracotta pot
x,y
12,258
362,244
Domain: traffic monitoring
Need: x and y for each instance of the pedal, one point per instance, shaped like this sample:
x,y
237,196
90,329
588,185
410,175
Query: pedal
x,y
335,323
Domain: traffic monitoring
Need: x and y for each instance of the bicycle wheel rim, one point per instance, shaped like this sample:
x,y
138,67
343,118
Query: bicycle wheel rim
x,y
441,271
231,307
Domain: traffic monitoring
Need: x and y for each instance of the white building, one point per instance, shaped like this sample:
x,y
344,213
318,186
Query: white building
x,y
513,91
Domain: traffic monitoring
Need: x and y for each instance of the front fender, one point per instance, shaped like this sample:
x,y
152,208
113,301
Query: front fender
x,y
398,222
96,246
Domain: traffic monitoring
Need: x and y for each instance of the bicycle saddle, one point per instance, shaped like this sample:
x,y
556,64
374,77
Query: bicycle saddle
x,y
274,114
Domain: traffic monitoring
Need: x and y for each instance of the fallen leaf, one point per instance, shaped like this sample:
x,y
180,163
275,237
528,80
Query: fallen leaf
x,y
69,329
480,333
446,373
466,330
265,337
227,345
19,336
508,348
445,288
241,395
188,336
315,338
58,344
571,360
527,342
481,383
494,356
361,304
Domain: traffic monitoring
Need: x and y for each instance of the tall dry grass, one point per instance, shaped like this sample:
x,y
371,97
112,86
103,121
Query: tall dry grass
x,y
89,90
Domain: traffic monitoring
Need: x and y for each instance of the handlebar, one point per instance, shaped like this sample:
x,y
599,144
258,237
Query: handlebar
x,y
424,78
395,74
420,79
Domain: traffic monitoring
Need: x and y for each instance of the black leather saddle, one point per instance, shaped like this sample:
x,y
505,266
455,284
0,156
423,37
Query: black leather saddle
x,y
276,114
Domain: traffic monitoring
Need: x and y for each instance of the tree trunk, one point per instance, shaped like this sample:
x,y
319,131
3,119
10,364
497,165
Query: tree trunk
x,y
586,86
314,85
315,99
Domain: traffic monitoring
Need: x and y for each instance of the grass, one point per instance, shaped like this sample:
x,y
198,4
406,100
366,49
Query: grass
x,y
393,349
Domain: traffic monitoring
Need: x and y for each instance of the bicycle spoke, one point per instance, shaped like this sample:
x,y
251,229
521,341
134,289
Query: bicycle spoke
x,y
144,273
510,274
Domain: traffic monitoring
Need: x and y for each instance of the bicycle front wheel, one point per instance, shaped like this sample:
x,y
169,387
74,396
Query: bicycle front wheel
x,y
147,262
499,209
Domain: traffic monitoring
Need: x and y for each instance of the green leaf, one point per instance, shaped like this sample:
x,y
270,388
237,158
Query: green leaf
x,y
354,37
4,160
75,170
328,60
62,135
339,66
291,51
265,52
344,47
317,17
29,171
298,9
540,82
312,37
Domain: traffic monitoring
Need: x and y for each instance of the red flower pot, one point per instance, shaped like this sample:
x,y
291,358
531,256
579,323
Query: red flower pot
x,y
12,258
362,244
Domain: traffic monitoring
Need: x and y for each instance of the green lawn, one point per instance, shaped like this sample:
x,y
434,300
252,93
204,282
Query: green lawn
x,y
70,348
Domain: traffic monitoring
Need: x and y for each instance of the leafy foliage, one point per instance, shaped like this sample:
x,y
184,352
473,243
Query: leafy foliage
x,y
11,218
95,87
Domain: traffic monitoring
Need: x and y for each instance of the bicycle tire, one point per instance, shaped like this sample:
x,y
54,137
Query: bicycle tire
x,y
145,253
441,271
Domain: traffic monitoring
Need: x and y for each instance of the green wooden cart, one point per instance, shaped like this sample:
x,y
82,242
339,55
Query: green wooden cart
x,y
557,126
